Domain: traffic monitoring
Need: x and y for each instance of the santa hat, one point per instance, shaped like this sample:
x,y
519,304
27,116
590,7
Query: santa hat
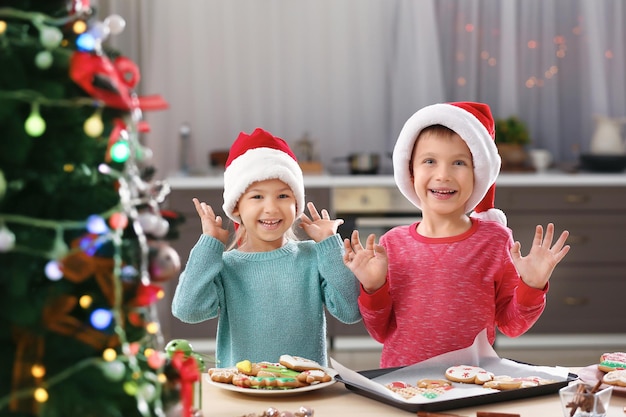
x,y
258,157
474,123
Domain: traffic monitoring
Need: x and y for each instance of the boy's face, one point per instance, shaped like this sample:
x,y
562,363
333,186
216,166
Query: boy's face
x,y
443,173
267,210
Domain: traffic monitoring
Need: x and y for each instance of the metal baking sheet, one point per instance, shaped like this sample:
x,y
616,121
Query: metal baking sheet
x,y
451,404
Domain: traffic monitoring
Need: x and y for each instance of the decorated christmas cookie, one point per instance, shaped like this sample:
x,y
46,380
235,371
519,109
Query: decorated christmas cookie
x,y
468,374
616,378
298,364
612,361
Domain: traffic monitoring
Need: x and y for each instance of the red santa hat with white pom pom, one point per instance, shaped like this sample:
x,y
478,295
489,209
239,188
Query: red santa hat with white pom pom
x,y
474,123
256,157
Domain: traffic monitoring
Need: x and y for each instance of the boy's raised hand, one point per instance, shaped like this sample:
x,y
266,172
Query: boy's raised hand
x,y
319,226
211,224
368,264
536,267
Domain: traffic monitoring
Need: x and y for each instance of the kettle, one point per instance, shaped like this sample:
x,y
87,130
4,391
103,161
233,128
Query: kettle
x,y
607,138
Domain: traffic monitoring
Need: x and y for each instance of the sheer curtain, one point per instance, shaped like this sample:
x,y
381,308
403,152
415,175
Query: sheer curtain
x,y
349,73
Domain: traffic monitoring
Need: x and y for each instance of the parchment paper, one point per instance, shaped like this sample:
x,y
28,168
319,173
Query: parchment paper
x,y
480,353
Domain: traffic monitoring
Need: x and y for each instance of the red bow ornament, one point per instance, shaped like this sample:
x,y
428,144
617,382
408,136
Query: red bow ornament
x,y
189,374
111,82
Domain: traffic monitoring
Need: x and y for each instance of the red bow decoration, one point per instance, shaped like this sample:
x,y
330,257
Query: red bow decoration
x,y
189,373
111,82
147,294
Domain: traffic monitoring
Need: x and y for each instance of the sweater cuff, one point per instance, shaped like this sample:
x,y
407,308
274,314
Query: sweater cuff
x,y
330,244
377,300
529,296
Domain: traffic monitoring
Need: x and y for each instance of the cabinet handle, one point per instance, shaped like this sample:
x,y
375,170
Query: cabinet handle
x,y
576,198
576,301
577,240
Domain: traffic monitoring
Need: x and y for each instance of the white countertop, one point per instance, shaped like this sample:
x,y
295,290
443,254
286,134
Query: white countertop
x,y
547,179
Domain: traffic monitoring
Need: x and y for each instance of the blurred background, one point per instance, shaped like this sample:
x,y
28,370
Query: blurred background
x,y
347,74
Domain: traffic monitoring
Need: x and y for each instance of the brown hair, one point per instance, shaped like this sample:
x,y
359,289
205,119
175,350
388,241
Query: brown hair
x,y
437,130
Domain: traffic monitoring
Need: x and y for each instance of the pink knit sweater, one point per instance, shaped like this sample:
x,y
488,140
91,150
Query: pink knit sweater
x,y
441,292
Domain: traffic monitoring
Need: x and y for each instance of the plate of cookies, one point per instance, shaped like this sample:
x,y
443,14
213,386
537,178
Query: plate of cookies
x,y
611,370
291,375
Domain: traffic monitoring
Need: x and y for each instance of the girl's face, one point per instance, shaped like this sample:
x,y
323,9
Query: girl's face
x,y
443,173
267,210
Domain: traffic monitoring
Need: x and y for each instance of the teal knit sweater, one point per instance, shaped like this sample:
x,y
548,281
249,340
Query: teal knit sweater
x,y
267,303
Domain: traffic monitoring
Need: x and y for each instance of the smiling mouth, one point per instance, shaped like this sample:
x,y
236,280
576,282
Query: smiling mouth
x,y
269,223
442,192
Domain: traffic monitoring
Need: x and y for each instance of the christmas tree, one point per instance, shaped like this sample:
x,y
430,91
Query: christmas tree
x,y
83,241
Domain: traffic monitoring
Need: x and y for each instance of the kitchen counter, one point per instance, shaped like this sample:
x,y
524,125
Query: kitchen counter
x,y
550,178
336,400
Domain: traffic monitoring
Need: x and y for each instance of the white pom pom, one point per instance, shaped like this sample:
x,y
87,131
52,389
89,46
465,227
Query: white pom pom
x,y
494,215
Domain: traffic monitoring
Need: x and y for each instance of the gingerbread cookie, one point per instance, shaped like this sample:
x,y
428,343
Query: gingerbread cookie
x,y
222,375
616,378
612,361
272,382
505,382
434,383
313,376
468,374
298,363
430,388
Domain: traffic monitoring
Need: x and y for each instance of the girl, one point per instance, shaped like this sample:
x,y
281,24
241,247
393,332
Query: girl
x,y
269,292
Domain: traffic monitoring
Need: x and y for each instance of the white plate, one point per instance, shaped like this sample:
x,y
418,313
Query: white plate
x,y
268,392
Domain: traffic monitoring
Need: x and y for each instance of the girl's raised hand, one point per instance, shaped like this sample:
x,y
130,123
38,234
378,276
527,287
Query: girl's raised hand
x,y
211,224
368,264
319,226
536,267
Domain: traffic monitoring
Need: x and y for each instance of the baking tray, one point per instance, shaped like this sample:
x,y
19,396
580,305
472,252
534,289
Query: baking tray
x,y
507,395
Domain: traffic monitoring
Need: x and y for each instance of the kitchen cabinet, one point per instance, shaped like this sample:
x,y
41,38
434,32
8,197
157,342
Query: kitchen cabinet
x,y
586,288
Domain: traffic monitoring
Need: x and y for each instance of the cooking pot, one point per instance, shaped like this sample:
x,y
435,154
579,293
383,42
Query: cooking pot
x,y
362,163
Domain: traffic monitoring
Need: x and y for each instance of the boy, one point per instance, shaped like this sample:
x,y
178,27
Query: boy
x,y
431,287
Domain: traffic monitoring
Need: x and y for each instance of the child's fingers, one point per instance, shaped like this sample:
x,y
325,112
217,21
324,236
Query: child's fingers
x,y
369,243
313,211
547,240
356,243
516,251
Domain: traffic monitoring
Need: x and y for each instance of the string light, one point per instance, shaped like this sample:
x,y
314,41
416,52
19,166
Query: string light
x,y
85,42
109,354
93,126
152,327
7,239
79,27
38,371
96,225
101,318
35,125
43,60
53,271
118,220
3,26
85,301
120,151
40,395
50,37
